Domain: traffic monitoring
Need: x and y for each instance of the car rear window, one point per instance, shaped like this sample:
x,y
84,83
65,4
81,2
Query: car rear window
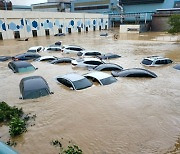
x,y
82,84
108,80
146,62
35,93
26,69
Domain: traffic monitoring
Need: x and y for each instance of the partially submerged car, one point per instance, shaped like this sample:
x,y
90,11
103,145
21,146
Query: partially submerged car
x,y
26,56
4,58
46,58
134,72
104,34
88,53
177,67
108,67
62,60
52,48
87,62
35,49
74,81
59,34
71,49
21,66
34,87
101,77
156,61
109,56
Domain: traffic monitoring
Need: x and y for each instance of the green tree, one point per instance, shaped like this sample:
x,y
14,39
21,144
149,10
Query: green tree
x,y
174,22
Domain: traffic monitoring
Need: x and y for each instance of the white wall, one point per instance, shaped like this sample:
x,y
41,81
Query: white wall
x,y
26,21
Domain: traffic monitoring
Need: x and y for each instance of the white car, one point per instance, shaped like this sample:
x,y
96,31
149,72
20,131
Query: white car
x,y
71,49
46,58
156,61
87,62
36,49
101,77
53,48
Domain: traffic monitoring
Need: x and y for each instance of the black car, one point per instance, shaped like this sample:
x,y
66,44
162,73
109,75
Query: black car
x,y
59,34
4,58
134,72
21,66
34,87
26,56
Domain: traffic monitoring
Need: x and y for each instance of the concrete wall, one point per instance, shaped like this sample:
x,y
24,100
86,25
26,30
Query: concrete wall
x,y
25,22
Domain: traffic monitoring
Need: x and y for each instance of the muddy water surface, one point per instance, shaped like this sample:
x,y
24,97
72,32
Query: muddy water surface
x,y
131,116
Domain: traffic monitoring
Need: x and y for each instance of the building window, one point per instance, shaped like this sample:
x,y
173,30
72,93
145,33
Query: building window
x,y
47,32
16,34
86,29
1,37
34,33
99,27
136,2
79,29
92,7
69,30
94,28
105,27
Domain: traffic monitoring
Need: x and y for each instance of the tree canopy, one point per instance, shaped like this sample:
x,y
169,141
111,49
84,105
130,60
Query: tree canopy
x,y
174,22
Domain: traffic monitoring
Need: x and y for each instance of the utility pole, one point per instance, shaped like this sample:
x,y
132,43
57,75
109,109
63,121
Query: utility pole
x,y
5,4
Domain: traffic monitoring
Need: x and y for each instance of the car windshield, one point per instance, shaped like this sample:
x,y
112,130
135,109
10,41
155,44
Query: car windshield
x,y
26,69
35,93
147,62
31,51
82,84
108,80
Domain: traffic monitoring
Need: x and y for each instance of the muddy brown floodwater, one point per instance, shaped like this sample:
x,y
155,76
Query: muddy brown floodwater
x,y
131,116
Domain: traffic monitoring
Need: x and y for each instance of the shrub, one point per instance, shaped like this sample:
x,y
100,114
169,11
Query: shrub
x,y
174,22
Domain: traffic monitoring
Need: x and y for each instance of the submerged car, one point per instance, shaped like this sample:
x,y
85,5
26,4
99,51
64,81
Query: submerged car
x,y
156,61
46,58
35,49
62,60
108,67
26,56
87,53
59,34
53,48
177,67
101,77
74,81
71,49
109,56
4,58
34,87
21,66
87,62
134,72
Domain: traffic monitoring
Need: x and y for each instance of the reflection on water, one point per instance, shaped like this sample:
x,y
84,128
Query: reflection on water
x,y
130,116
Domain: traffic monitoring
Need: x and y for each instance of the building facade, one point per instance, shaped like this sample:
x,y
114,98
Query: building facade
x,y
124,11
23,24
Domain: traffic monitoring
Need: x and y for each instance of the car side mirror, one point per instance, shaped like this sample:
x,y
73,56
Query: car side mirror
x,y
36,68
20,98
51,92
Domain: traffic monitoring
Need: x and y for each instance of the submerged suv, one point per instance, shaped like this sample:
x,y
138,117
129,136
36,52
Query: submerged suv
x,y
156,61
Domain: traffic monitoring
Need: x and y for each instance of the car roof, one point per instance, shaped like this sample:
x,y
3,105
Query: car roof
x,y
27,53
46,57
98,75
72,46
152,58
35,47
92,59
108,65
20,64
30,82
72,77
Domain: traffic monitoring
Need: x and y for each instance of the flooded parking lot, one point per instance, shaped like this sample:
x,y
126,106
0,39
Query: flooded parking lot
x,y
133,115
